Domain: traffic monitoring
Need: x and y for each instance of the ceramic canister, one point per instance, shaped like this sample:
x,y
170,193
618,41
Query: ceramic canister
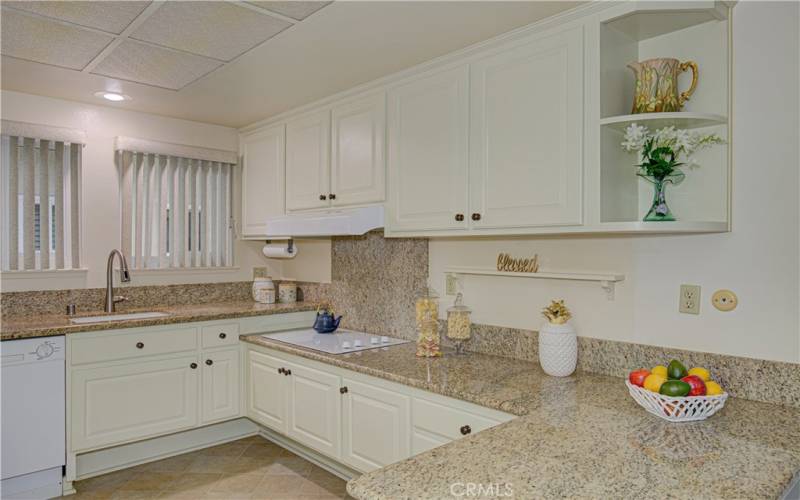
x,y
287,291
264,290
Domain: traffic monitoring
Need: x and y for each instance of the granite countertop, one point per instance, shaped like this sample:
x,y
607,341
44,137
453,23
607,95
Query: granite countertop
x,y
27,326
577,437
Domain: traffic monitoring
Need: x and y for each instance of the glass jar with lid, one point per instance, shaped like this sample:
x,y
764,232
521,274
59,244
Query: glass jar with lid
x,y
459,325
427,315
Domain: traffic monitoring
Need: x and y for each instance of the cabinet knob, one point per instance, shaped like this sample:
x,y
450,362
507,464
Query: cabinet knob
x,y
323,197
193,366
280,370
332,196
223,335
465,429
459,217
209,362
476,216
140,345
287,371
343,389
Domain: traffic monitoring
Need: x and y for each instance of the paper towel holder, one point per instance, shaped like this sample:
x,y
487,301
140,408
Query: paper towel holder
x,y
289,245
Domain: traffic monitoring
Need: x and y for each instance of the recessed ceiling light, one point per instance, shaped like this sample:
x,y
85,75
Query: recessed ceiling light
x,y
112,96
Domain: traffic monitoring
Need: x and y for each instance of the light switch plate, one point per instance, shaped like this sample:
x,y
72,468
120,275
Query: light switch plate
x,y
451,284
689,300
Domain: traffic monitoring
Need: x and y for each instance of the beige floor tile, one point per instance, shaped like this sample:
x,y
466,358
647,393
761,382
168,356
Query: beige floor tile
x,y
265,449
177,463
289,465
236,483
233,449
111,481
134,494
210,464
149,481
194,481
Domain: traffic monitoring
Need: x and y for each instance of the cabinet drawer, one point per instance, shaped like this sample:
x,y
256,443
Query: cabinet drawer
x,y
220,335
110,346
447,422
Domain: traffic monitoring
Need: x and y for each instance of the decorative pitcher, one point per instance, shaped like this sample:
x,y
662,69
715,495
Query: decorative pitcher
x,y
657,85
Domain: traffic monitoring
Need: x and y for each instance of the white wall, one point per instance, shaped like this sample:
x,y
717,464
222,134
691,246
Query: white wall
x,y
100,217
759,259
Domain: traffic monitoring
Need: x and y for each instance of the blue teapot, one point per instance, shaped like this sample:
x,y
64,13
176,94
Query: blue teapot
x,y
325,322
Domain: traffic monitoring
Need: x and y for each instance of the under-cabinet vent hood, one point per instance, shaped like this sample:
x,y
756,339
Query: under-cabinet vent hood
x,y
352,221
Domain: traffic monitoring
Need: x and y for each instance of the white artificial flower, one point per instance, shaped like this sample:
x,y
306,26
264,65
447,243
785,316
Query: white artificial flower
x,y
635,137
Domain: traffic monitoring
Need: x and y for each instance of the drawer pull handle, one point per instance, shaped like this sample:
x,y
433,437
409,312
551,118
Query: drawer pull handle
x,y
223,335
323,197
332,196
140,345
465,429
459,217
193,366
343,390
286,371
209,362
476,216
281,370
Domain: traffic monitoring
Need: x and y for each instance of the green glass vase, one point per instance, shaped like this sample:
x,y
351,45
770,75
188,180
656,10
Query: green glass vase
x,y
659,210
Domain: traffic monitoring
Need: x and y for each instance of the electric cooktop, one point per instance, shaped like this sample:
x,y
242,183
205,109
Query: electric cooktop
x,y
340,342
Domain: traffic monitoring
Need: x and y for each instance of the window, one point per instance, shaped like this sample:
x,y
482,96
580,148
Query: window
x,y
40,193
176,211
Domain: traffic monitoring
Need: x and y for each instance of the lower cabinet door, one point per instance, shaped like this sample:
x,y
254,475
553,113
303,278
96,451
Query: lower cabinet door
x,y
376,425
220,387
115,404
267,393
315,409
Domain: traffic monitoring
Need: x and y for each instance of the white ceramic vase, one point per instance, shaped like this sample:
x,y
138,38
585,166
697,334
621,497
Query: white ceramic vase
x,y
558,349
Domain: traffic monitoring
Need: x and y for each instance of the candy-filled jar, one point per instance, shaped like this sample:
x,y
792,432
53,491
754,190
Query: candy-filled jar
x,y
459,325
427,315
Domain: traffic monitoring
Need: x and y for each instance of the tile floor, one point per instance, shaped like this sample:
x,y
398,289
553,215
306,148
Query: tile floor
x,y
250,468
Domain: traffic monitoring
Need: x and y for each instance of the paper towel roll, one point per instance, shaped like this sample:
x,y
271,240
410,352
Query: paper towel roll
x,y
278,251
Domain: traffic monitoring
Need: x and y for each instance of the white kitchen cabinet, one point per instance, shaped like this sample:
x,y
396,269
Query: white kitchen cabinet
x,y
376,425
526,133
437,422
263,188
220,385
267,391
308,161
315,408
358,167
428,134
139,399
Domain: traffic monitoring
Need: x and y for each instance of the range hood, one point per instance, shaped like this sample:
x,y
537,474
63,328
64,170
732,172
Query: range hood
x,y
351,221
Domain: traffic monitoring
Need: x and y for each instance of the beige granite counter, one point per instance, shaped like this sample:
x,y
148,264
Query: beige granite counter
x,y
27,326
577,437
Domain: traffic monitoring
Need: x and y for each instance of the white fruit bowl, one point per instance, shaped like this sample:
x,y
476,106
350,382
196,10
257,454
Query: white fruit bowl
x,y
685,409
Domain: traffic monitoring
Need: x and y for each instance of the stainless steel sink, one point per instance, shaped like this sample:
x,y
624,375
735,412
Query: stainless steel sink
x,y
118,317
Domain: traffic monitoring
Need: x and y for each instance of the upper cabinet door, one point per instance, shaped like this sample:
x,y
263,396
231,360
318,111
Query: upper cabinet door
x,y
428,135
357,159
526,134
262,179
308,161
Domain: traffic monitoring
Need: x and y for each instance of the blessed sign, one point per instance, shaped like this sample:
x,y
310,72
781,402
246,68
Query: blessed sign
x,y
507,263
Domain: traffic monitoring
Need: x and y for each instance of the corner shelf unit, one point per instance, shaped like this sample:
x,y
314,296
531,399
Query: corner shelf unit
x,y
607,280
636,31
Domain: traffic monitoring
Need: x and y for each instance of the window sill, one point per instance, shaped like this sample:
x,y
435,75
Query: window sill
x,y
43,273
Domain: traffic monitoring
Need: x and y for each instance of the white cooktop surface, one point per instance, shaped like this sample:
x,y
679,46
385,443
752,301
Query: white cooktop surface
x,y
340,342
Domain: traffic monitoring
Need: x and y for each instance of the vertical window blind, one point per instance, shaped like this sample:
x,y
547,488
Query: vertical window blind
x,y
176,210
41,198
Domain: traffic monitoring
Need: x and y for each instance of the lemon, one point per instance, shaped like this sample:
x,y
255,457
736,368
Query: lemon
x,y
654,381
659,370
701,372
712,388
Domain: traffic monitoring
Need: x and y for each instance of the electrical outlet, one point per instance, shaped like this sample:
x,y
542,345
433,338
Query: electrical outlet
x,y
689,301
451,284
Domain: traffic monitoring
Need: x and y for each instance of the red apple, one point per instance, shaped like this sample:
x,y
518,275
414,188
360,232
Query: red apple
x,y
697,384
637,377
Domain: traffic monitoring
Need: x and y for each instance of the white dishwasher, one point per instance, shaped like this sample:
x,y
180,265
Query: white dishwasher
x,y
33,446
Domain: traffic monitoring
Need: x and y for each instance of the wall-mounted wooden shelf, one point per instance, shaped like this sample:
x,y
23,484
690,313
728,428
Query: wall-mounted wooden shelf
x,y
653,121
607,280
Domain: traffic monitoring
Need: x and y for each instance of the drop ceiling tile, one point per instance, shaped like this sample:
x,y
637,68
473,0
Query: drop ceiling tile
x,y
295,10
113,17
214,29
46,41
160,67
